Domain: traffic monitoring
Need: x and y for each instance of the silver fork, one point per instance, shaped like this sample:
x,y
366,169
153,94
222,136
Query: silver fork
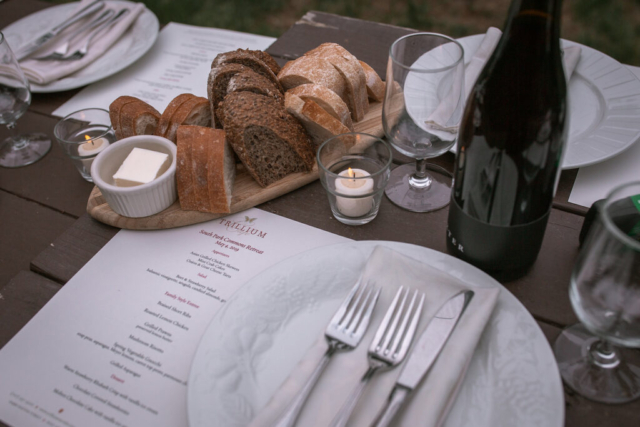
x,y
344,332
80,53
389,346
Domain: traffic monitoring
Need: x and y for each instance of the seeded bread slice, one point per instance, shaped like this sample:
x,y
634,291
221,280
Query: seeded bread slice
x,y
307,69
138,118
375,85
352,73
248,60
269,141
327,100
114,112
264,57
217,86
319,124
167,114
193,112
251,81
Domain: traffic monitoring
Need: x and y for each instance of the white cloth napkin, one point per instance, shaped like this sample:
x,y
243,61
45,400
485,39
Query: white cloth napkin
x,y
44,72
430,403
440,119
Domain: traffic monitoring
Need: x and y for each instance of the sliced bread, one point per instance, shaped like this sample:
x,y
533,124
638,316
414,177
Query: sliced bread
x,y
138,118
167,114
251,81
269,141
217,86
193,112
221,171
248,60
319,124
184,170
114,112
327,100
200,166
264,57
352,73
375,85
306,70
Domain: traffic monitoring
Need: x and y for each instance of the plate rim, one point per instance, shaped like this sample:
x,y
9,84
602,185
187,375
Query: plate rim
x,y
555,381
55,86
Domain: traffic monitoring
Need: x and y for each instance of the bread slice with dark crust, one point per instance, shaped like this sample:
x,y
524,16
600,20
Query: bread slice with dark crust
x,y
269,141
264,57
248,60
193,112
114,112
217,86
251,81
138,118
167,114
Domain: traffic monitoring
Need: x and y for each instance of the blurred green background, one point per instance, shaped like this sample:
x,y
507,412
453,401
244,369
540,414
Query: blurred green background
x,y
611,26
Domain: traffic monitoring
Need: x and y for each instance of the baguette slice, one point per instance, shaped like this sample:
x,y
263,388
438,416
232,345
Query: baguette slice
x,y
217,86
200,166
193,112
307,69
184,170
352,73
269,141
138,118
248,60
319,124
114,112
375,85
221,171
327,99
167,114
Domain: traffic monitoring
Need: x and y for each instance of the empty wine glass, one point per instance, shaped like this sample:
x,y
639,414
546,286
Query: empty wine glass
x,y
423,104
605,294
15,97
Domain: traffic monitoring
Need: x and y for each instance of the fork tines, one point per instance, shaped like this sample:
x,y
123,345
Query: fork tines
x,y
355,312
389,342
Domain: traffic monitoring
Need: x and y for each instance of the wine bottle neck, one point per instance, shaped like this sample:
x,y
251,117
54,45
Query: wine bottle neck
x,y
525,12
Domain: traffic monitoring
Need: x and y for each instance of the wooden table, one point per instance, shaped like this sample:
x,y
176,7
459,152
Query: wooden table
x,y
47,236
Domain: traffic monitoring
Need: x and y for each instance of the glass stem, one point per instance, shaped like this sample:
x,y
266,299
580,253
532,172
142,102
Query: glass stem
x,y
420,179
604,354
16,142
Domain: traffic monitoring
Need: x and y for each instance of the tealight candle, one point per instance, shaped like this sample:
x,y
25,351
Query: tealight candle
x,y
349,186
90,149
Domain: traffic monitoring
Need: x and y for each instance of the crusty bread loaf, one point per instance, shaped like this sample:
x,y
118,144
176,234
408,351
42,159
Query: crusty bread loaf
x,y
221,171
306,69
269,141
167,114
217,86
327,100
114,112
184,169
193,112
138,118
375,85
319,124
248,60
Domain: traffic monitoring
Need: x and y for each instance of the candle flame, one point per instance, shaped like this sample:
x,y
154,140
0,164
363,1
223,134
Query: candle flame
x,y
87,137
351,173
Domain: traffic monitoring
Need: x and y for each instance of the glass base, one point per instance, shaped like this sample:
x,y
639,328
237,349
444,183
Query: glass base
x,y
612,377
419,195
24,150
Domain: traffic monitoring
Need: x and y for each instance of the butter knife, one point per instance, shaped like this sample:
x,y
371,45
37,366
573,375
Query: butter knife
x,y
33,45
424,353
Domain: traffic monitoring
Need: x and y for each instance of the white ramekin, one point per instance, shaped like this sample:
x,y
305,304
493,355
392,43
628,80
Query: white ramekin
x,y
142,200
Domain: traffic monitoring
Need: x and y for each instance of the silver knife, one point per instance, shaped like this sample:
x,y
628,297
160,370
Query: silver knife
x,y
43,39
423,354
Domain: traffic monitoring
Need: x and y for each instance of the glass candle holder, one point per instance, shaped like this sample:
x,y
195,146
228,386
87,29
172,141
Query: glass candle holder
x,y
354,169
83,135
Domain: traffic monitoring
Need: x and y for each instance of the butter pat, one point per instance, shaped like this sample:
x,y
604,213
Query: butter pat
x,y
140,167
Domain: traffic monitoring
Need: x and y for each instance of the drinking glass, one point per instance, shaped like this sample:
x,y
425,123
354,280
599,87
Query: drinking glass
x,y
605,294
423,104
15,97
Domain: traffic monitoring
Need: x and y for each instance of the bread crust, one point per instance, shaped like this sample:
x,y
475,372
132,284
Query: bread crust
x,y
165,118
132,112
315,70
114,112
181,116
184,169
375,85
248,60
327,100
219,77
220,176
319,124
264,57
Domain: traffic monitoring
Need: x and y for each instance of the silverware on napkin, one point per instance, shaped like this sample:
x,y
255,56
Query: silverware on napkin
x,y
344,332
424,353
33,45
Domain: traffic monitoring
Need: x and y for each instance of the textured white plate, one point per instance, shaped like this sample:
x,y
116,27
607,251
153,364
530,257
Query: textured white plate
x,y
604,106
129,48
260,334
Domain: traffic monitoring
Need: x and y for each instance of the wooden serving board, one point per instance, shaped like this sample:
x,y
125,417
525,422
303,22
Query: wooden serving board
x,y
246,192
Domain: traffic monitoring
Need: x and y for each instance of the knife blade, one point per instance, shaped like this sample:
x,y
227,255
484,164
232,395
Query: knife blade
x,y
40,41
423,354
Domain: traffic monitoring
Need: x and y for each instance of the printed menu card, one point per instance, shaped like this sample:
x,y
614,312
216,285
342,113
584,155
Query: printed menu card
x,y
114,346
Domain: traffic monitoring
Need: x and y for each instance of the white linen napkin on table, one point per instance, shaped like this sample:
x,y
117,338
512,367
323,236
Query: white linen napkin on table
x,y
44,72
431,401
439,119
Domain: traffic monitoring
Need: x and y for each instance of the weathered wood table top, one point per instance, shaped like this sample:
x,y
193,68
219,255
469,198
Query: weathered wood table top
x,y
47,236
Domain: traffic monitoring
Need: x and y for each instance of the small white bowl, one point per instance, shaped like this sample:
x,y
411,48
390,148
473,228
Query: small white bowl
x,y
142,200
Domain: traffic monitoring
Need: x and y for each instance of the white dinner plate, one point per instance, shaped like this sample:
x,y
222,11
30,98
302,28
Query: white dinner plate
x,y
259,335
604,106
134,43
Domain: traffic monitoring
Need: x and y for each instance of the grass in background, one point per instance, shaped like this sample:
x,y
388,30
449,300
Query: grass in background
x,y
611,26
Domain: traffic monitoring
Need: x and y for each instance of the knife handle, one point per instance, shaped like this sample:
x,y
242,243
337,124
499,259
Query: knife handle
x,y
391,408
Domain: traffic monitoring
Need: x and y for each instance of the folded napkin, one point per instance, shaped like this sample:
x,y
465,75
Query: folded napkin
x,y
441,119
44,72
431,401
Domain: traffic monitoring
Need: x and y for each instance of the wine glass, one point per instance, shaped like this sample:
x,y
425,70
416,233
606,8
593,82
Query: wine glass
x,y
423,104
605,294
15,98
